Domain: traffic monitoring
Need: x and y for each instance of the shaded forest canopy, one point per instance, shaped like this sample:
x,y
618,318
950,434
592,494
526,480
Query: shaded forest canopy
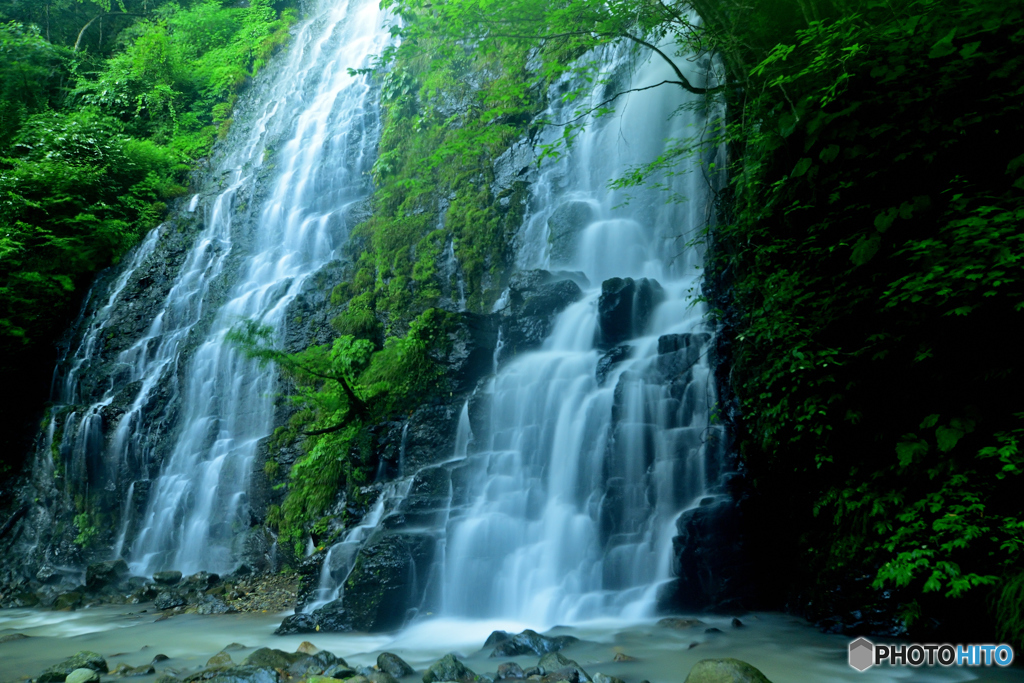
x,y
865,269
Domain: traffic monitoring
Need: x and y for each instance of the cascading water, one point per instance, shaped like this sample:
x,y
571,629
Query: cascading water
x,y
264,234
579,478
194,506
562,505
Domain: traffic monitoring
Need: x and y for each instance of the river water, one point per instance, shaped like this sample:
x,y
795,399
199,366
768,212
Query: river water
x,y
785,649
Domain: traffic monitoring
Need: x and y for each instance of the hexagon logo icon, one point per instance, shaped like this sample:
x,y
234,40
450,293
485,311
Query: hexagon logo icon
x,y
862,654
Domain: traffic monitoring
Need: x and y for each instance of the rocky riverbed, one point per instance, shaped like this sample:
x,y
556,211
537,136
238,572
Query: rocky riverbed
x,y
111,643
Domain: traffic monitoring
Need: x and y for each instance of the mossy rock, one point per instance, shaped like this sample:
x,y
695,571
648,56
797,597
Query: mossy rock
x,y
80,660
726,670
448,668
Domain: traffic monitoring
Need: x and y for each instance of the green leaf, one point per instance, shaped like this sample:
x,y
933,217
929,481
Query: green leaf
x,y
885,219
865,249
947,438
944,46
930,421
801,167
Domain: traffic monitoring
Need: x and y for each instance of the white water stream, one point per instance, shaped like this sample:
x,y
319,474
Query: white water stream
x,y
289,183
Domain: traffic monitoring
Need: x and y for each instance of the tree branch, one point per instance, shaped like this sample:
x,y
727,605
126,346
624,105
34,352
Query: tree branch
x,y
94,19
612,99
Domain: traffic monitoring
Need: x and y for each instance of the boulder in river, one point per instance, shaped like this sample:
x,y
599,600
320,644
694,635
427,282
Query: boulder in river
x,y
80,660
448,668
103,574
83,676
126,670
168,578
268,658
236,674
530,642
394,665
312,665
561,668
605,678
168,600
510,670
726,670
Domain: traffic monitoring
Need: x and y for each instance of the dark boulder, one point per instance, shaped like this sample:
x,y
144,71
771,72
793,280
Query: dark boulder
x,y
102,574
448,668
167,578
201,581
382,584
169,600
236,674
561,668
530,642
609,360
313,665
497,637
510,670
300,622
625,308
534,298
394,665
708,559
268,658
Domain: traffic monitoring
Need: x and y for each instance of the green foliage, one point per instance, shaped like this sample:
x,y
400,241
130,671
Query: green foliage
x,y
871,235
341,390
92,147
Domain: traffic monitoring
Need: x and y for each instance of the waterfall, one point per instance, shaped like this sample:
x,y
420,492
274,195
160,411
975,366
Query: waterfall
x,y
197,504
577,479
565,489
288,179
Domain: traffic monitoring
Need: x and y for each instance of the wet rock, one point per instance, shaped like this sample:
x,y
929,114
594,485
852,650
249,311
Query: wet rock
x,y
609,360
80,660
497,637
381,677
340,670
167,678
565,224
236,674
708,558
168,578
168,600
24,600
12,636
69,600
534,298
724,671
510,670
736,623
605,678
673,622
712,630
125,670
448,668
623,657
219,660
212,605
83,676
297,623
382,582
268,658
561,665
103,574
48,575
394,665
530,642
201,581
625,307
313,665
307,648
